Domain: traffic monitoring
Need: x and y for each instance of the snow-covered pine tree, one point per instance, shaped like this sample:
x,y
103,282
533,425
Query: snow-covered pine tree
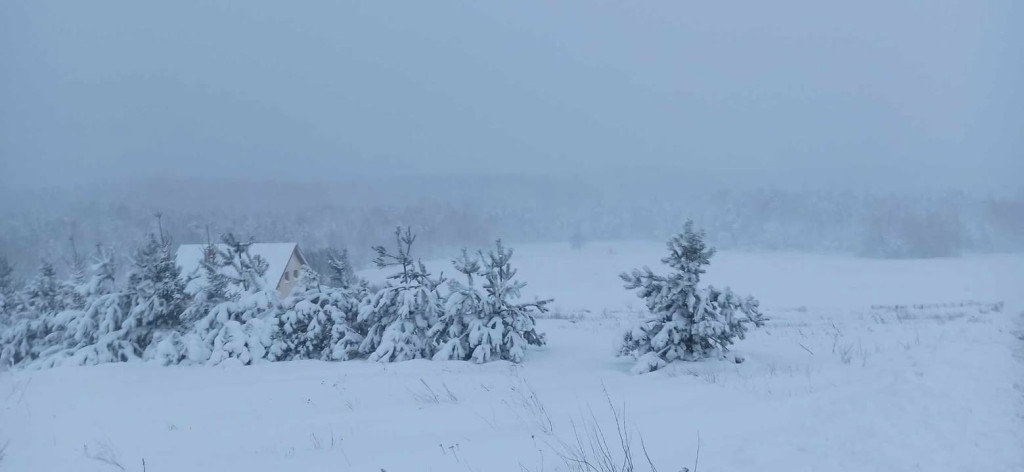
x,y
157,293
45,293
463,313
509,326
305,322
399,315
78,275
8,302
318,322
235,319
96,334
342,273
347,332
33,330
687,322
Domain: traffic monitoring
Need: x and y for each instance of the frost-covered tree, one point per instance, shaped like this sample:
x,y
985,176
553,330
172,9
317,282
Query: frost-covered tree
x,y
487,325
342,273
463,313
96,334
687,322
8,290
36,328
78,277
318,322
234,321
156,290
399,315
504,314
45,293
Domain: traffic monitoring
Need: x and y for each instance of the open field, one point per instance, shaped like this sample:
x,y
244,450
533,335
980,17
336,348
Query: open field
x,y
866,365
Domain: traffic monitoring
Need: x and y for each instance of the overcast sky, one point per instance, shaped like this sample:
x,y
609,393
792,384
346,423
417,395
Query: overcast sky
x,y
865,94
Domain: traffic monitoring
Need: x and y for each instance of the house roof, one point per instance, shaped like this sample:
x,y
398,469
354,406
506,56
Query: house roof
x,y
277,255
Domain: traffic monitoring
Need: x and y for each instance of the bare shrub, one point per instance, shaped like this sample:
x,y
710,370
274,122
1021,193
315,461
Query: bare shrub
x,y
427,394
525,399
105,454
593,449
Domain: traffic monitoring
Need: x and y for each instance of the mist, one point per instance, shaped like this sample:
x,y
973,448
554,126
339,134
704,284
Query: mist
x,y
472,235
871,97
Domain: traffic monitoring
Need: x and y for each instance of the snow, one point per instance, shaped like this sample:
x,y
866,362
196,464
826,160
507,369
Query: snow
x,y
865,365
190,256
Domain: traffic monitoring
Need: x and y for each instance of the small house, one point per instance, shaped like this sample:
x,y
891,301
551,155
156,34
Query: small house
x,y
284,264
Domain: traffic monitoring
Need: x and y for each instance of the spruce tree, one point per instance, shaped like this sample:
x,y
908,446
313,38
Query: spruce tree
x,y
96,334
8,300
399,315
305,322
45,293
234,322
35,328
687,322
487,325
463,313
515,321
156,291
343,275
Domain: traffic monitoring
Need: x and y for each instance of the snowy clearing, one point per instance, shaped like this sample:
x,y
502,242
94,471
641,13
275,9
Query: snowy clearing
x,y
865,365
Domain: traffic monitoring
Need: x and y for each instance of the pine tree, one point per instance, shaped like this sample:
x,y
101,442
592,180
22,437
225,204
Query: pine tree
x,y
45,293
317,322
156,291
463,313
687,322
8,300
343,275
399,315
96,334
304,325
233,321
35,329
513,320
78,272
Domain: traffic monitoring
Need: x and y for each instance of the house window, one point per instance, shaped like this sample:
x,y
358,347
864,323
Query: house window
x,y
286,277
295,274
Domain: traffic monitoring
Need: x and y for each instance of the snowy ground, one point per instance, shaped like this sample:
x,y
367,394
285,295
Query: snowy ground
x,y
840,379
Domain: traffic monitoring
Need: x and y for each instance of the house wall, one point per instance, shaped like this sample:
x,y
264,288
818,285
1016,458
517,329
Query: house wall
x,y
287,284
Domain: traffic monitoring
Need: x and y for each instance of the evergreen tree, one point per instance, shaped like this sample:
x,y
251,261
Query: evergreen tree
x,y
35,329
234,321
513,320
342,273
399,315
96,334
317,322
45,293
304,325
8,290
687,322
156,291
78,275
463,313
492,324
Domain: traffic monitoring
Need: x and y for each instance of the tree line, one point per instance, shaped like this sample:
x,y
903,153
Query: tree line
x,y
233,316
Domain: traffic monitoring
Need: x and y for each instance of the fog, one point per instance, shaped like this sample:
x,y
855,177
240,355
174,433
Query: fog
x,y
881,129
864,96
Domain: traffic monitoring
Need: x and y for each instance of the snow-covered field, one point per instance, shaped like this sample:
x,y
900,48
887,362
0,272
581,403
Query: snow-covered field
x,y
866,365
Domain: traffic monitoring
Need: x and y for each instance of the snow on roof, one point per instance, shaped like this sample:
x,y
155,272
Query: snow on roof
x,y
277,255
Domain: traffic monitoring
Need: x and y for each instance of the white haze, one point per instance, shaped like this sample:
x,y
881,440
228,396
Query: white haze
x,y
867,96
873,128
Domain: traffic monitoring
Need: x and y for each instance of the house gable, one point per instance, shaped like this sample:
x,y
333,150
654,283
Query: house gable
x,y
279,257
